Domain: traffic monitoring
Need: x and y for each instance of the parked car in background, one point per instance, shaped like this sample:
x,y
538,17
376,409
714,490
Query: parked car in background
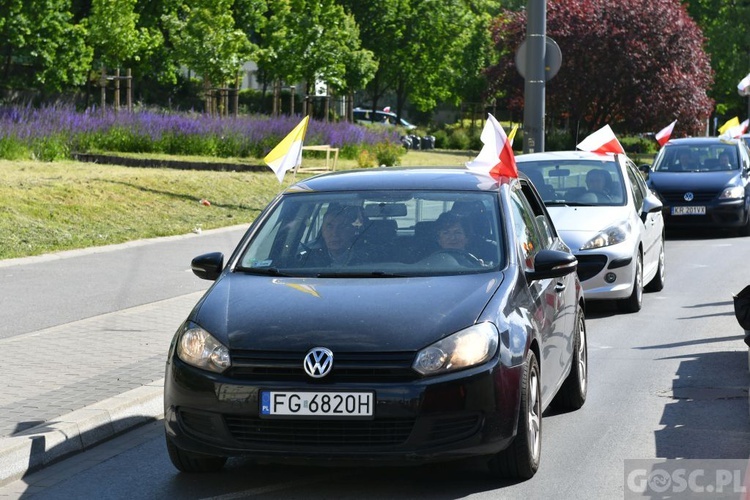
x,y
605,213
368,117
382,316
703,182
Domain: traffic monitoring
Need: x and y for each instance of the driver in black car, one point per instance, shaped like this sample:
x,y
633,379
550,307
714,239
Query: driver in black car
x,y
342,227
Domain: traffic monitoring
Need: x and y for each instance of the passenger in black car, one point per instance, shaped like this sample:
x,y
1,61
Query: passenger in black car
x,y
455,233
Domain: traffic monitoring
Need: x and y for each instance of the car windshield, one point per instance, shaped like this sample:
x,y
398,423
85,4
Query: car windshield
x,y
576,181
377,234
697,158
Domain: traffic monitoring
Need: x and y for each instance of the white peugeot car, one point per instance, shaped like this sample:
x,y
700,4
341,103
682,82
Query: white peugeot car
x,y
606,214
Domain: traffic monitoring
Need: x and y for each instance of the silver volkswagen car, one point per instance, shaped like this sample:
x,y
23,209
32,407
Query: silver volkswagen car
x,y
606,214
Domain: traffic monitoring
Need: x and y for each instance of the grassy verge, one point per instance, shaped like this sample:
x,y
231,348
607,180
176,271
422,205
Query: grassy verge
x,y
49,207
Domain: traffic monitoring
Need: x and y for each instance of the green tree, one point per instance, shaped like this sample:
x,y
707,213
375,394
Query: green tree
x,y
41,46
635,66
205,39
382,37
729,49
265,23
321,40
427,51
114,34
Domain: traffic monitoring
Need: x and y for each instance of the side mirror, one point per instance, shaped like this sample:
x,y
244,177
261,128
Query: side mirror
x,y
651,204
208,266
645,170
552,264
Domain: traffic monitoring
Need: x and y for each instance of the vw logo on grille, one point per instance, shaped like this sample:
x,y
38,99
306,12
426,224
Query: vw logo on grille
x,y
688,196
318,362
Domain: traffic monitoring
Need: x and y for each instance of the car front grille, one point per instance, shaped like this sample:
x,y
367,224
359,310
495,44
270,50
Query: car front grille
x,y
357,366
350,433
344,433
453,429
677,197
590,265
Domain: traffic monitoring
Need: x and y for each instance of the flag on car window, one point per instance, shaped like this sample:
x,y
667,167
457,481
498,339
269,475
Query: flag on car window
x,y
735,131
664,134
512,134
734,122
601,141
744,86
496,156
288,153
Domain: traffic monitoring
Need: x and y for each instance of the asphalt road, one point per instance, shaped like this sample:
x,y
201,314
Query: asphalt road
x,y
50,290
670,382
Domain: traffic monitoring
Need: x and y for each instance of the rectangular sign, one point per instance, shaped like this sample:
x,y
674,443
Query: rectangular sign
x,y
317,404
689,210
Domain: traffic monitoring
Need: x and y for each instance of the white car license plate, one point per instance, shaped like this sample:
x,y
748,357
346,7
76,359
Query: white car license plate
x,y
316,404
689,210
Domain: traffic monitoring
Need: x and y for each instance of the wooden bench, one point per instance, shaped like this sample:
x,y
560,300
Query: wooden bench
x,y
329,166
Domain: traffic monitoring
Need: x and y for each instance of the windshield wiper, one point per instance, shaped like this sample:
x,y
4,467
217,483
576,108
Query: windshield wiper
x,y
269,271
566,204
360,274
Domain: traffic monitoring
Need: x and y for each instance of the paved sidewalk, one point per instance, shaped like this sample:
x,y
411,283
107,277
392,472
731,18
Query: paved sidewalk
x,y
68,387
71,386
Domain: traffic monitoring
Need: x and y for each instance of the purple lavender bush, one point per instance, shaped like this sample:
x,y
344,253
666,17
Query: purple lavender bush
x,y
59,131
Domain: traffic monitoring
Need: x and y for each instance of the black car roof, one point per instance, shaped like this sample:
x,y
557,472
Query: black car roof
x,y
449,178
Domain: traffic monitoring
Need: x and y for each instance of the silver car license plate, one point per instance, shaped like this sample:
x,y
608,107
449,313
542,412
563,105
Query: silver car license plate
x,y
689,210
316,404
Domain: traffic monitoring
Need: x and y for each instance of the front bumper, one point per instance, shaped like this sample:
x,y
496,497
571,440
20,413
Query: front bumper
x,y
459,415
594,268
727,214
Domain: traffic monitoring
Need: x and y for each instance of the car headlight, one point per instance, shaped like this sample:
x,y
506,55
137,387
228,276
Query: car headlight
x,y
610,236
732,193
200,349
463,349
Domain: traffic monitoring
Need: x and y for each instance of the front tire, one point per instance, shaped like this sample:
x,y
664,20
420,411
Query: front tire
x,y
634,303
185,461
521,459
744,230
657,283
572,393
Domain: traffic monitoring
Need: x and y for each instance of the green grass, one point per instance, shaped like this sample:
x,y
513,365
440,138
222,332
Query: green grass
x,y
54,206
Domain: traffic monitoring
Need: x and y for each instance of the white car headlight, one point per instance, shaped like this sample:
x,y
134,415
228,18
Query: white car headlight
x,y
732,193
463,349
610,236
199,348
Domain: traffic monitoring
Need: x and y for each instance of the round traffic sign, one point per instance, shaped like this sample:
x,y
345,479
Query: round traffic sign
x,y
552,58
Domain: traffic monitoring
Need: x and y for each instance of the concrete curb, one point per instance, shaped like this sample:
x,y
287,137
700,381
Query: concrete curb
x,y
77,431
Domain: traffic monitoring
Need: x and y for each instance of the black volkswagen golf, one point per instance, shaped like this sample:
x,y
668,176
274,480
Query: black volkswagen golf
x,y
382,316
703,182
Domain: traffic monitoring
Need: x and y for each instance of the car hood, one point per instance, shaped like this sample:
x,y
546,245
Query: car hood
x,y
696,181
353,314
577,225
586,219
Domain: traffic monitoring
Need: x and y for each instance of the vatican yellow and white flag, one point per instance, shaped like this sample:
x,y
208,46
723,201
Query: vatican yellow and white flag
x,y
288,153
734,122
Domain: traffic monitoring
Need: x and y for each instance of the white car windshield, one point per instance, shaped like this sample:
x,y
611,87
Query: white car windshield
x,y
377,233
576,181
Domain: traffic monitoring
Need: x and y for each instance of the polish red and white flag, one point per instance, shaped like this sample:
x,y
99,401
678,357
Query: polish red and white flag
x,y
601,141
496,156
664,134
